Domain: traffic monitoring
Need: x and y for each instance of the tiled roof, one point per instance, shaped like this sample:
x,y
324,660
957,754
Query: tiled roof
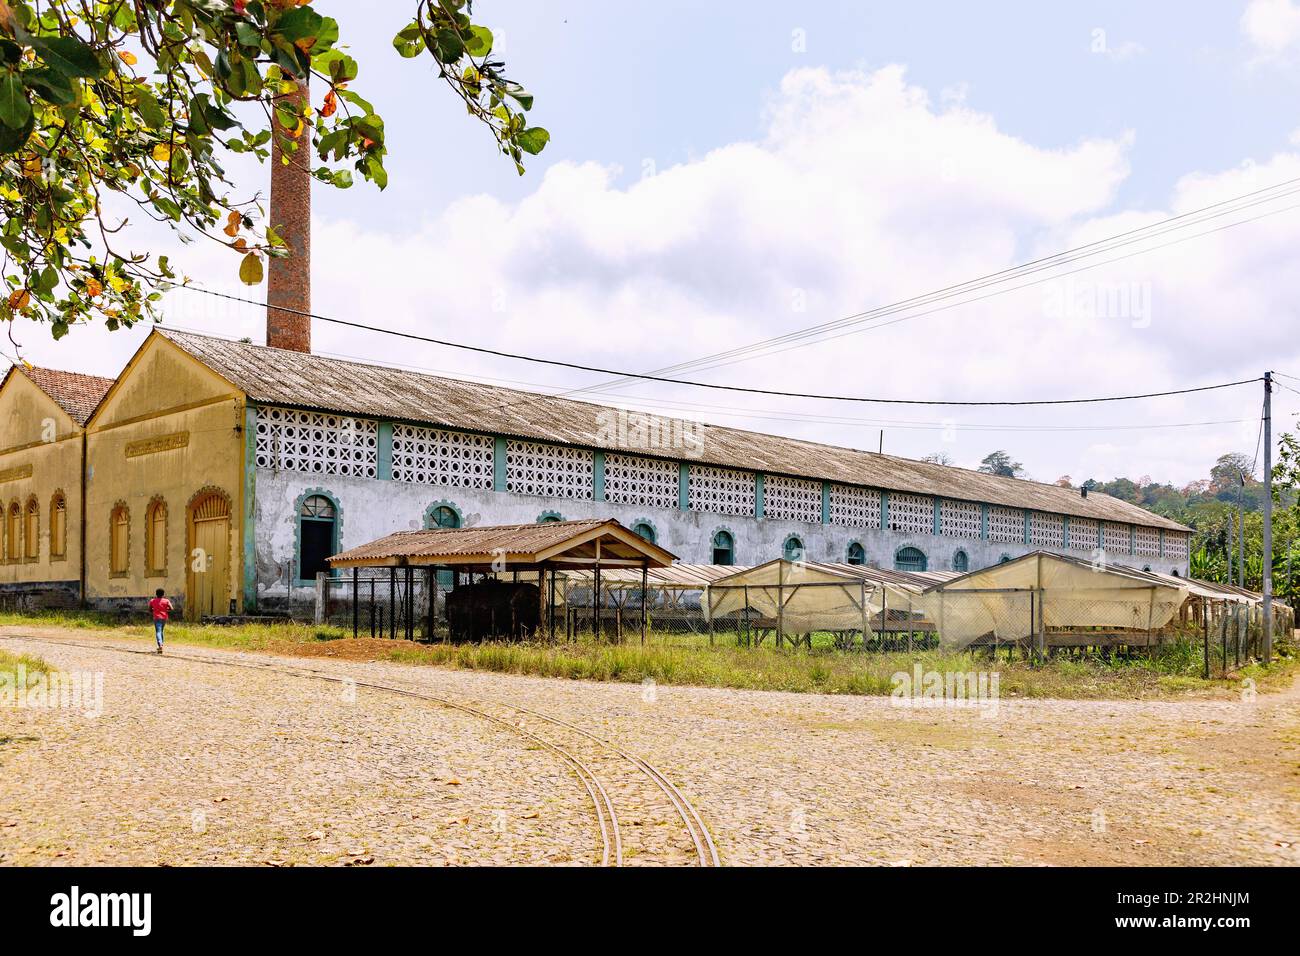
x,y
77,394
298,379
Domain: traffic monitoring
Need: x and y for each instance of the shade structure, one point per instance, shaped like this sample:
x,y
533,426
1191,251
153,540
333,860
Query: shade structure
x,y
1042,591
806,596
495,548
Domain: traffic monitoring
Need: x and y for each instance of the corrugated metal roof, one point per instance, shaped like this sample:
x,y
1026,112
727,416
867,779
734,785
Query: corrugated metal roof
x,y
77,394
686,577
908,580
298,379
517,543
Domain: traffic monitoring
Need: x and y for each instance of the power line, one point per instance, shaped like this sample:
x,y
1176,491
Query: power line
x,y
1048,262
714,385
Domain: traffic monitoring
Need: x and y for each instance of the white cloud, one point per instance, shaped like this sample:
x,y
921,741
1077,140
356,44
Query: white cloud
x,y
1272,27
859,192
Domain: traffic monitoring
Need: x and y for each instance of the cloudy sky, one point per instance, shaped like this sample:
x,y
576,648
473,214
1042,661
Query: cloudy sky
x,y
722,174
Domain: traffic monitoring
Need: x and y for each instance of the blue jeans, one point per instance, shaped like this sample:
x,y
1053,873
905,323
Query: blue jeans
x,y
158,626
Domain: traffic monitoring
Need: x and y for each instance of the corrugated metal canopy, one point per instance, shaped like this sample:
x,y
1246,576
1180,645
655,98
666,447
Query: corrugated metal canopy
x,y
509,546
298,379
804,572
676,577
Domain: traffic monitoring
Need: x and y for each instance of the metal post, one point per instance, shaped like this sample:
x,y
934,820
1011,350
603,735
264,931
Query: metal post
x,y
356,574
780,603
319,616
550,607
645,578
1205,626
863,582
372,607
1241,530
431,592
595,605
1267,559
749,631
392,603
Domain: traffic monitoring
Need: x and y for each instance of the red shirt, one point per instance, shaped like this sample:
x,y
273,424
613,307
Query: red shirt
x,y
161,607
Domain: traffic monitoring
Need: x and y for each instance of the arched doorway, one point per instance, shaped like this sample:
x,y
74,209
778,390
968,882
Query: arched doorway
x,y
909,559
207,578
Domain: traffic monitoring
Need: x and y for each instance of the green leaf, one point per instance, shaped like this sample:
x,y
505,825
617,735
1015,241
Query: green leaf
x,y
409,41
250,269
12,140
15,111
301,23
479,41
69,56
53,87
147,105
449,47
533,140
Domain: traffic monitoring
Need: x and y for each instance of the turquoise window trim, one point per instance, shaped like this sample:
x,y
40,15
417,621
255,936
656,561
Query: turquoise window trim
x,y
498,463
925,558
731,538
938,514
786,548
683,486
960,556
1065,531
298,519
250,508
848,552
884,511
384,468
1132,539
826,502
758,495
1026,527
549,515
1162,542
984,522
598,476
654,528
428,514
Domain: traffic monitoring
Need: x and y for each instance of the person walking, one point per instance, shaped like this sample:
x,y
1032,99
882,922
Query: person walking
x,y
160,607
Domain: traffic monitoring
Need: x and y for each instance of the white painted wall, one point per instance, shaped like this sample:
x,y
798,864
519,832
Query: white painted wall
x,y
370,508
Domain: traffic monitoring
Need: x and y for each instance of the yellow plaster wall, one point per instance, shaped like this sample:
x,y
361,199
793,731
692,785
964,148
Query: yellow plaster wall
x,y
162,394
36,433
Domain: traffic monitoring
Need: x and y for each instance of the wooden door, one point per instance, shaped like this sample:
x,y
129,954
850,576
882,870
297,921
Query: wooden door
x,y
208,591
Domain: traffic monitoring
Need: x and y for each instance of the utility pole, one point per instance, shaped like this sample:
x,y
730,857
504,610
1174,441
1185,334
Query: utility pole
x,y
1266,560
1241,529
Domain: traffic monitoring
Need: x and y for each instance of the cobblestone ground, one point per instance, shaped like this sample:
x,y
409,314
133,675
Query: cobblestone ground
x,y
283,770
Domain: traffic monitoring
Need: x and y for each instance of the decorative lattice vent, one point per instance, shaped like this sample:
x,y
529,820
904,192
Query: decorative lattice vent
x,y
1083,534
632,480
549,471
318,444
1146,541
432,456
855,507
792,499
959,519
912,514
1046,531
1006,524
721,490
1115,538
1175,545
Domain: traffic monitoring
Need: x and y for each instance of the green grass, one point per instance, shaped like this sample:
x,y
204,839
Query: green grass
x,y
33,666
1171,671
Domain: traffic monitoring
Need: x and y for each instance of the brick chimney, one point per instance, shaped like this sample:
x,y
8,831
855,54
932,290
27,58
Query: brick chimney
x,y
288,281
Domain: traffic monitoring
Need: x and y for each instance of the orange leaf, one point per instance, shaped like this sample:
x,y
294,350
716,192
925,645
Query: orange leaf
x,y
18,299
331,104
93,288
232,230
127,57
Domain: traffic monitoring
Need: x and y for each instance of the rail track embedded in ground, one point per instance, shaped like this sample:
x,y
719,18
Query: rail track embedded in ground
x,y
611,840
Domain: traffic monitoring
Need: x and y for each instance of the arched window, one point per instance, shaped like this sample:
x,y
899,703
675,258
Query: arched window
x,y
793,549
724,548
909,559
442,516
119,541
317,536
546,517
58,527
14,533
1146,567
155,538
1004,559
857,554
1174,572
644,530
961,561
32,533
